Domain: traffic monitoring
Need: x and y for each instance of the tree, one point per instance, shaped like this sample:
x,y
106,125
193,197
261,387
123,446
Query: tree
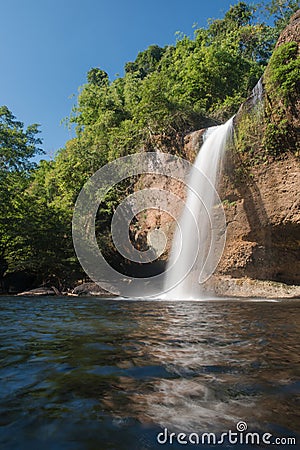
x,y
17,148
239,15
146,61
97,76
281,11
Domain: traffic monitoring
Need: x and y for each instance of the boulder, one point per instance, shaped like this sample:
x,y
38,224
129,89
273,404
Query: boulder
x,y
90,289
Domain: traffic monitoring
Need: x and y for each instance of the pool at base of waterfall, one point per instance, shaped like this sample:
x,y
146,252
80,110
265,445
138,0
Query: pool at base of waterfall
x,y
91,373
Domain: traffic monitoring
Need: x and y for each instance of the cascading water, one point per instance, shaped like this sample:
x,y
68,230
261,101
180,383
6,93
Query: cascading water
x,y
199,238
257,92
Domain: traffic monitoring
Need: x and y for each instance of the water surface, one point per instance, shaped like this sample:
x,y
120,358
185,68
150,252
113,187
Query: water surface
x,y
82,373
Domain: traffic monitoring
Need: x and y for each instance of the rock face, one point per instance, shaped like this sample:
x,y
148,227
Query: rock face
x,y
246,287
263,223
260,188
292,32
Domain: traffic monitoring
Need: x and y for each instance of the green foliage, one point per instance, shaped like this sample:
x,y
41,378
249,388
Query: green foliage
x,y
34,235
253,41
249,136
17,145
281,11
275,137
146,62
283,74
270,129
282,84
229,203
97,76
174,90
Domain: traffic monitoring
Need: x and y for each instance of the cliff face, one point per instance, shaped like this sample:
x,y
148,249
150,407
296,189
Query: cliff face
x,y
261,176
260,187
263,222
292,32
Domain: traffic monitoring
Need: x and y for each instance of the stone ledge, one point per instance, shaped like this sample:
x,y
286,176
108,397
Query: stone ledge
x,y
247,287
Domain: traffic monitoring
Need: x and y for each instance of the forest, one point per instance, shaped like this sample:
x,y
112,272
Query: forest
x,y
163,95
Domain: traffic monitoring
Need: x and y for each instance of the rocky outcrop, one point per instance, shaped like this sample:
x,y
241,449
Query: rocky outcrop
x,y
263,222
90,289
246,287
292,32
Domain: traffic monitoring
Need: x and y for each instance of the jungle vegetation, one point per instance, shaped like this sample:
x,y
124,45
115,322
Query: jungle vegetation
x,y
163,95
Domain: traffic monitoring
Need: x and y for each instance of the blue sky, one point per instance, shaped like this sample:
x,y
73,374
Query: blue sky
x,y
48,46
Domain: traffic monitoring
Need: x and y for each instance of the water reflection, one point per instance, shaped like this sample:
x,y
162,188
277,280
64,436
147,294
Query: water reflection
x,y
89,373
229,363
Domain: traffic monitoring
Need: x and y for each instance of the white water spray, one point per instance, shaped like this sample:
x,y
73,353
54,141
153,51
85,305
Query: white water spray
x,y
199,240
257,93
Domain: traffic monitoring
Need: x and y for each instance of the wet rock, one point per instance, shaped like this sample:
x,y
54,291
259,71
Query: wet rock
x,y
90,289
38,292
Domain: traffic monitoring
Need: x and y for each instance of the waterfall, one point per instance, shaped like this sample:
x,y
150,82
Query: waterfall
x,y
257,93
200,234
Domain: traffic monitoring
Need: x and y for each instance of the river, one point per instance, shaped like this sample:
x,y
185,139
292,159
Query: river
x,y
89,373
